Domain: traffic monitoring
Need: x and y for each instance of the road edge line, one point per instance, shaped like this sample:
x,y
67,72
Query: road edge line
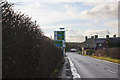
x,y
73,70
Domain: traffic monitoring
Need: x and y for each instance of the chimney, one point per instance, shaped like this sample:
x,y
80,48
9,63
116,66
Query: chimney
x,y
86,38
96,36
107,36
92,37
114,36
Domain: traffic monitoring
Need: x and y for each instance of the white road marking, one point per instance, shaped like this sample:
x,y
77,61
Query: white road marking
x,y
111,71
73,70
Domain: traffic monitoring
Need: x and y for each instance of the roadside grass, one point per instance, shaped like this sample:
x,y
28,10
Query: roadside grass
x,y
59,65
54,74
107,59
79,51
85,55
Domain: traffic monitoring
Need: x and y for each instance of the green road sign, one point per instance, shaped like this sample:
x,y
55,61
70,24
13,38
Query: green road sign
x,y
60,35
59,43
59,38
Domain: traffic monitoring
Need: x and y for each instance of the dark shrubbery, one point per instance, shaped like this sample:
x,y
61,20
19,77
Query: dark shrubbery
x,y
26,53
70,45
89,51
109,52
112,44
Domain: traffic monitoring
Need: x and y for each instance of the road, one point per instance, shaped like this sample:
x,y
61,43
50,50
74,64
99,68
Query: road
x,y
88,67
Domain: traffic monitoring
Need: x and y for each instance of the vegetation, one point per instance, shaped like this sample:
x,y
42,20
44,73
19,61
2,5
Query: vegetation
x,y
108,59
89,51
112,44
108,52
70,45
26,52
80,52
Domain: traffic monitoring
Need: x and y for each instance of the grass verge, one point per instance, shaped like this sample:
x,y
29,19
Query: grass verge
x,y
107,59
54,74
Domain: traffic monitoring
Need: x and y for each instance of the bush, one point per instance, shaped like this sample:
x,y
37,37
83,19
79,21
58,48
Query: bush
x,y
89,51
108,52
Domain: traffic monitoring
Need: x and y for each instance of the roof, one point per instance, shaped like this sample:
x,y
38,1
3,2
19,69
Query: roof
x,y
117,39
100,40
90,43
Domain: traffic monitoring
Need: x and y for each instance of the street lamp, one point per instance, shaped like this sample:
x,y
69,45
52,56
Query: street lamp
x,y
62,29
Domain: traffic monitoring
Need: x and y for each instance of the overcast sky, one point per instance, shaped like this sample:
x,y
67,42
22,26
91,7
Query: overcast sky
x,y
80,17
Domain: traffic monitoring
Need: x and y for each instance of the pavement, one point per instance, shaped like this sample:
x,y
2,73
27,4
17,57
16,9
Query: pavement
x,y
88,67
65,72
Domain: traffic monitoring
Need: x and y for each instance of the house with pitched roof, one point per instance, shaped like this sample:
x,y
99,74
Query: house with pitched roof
x,y
96,43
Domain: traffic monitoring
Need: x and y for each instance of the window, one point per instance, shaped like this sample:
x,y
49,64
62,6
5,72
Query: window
x,y
100,44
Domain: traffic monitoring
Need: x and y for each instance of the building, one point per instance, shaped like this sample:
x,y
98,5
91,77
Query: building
x,y
100,43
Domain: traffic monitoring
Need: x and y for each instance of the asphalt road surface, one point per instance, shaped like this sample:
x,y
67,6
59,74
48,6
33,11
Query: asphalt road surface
x,y
88,67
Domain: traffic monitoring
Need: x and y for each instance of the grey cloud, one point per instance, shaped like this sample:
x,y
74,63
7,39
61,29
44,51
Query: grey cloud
x,y
103,11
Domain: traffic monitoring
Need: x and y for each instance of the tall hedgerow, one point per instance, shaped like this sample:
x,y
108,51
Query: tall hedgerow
x,y
26,53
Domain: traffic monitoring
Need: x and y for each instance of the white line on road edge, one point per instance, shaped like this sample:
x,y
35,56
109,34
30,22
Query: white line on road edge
x,y
73,70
